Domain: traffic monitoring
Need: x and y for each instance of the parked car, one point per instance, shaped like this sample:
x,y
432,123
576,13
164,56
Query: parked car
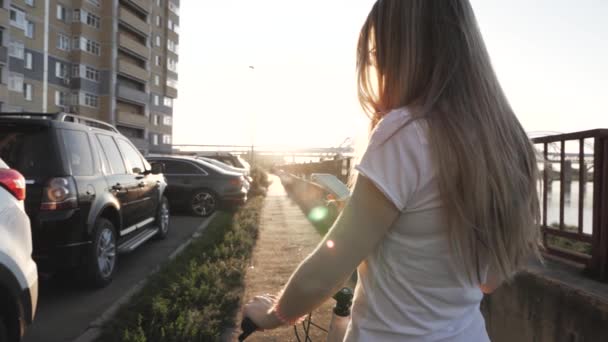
x,y
18,272
244,172
201,187
227,158
91,194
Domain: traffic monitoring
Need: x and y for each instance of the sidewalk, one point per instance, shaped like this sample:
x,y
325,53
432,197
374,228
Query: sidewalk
x,y
286,238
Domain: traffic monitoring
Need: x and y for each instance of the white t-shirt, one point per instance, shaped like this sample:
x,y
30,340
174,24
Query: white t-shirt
x,y
410,287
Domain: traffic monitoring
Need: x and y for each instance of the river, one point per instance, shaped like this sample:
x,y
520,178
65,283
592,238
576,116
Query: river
x,y
571,205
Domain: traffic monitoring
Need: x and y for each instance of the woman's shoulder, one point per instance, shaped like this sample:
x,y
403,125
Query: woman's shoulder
x,y
400,126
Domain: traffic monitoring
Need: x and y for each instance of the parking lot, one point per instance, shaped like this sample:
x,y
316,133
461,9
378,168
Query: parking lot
x,y
65,309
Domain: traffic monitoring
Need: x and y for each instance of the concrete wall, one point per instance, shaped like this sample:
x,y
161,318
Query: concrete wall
x,y
548,304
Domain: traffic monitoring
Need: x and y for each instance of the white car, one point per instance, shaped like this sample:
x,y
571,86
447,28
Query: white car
x,y
18,272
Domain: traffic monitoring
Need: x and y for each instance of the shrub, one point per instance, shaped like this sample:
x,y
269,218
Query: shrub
x,y
260,182
194,297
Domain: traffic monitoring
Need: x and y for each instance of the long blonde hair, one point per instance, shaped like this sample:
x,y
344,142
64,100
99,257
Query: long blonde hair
x,y
430,55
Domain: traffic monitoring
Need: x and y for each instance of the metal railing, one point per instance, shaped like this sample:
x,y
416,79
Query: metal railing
x,y
341,168
573,242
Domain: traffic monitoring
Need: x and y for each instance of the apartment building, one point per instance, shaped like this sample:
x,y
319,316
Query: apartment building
x,y
112,60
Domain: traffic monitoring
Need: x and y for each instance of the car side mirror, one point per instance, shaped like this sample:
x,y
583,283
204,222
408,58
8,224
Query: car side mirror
x,y
157,168
137,171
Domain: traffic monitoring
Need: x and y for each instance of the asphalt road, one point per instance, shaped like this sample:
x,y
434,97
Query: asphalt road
x,y
65,309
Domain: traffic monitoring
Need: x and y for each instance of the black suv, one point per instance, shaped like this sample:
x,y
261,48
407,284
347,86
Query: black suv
x,y
91,194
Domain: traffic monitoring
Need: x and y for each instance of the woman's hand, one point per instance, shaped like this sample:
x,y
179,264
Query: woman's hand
x,y
259,310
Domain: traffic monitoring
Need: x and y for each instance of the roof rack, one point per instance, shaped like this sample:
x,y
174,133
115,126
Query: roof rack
x,y
65,117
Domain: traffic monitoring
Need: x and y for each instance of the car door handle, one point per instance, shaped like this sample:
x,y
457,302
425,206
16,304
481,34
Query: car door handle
x,y
141,184
117,187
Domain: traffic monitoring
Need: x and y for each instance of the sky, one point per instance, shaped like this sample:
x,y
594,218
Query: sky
x,y
282,73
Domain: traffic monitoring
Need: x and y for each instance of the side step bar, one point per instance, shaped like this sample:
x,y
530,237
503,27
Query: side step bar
x,y
137,239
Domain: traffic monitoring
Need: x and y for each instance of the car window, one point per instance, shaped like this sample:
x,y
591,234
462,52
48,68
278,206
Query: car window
x,y
103,160
132,156
78,149
112,154
174,167
28,149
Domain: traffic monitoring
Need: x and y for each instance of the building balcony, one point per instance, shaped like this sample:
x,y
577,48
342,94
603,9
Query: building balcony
x,y
171,92
132,119
3,53
4,16
133,46
132,70
133,95
3,92
141,5
133,21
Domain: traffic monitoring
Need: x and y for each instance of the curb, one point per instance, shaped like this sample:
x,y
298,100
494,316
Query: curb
x,y
93,331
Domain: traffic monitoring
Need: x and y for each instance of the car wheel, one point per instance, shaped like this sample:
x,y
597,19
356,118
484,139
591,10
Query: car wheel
x,y
3,331
102,256
162,218
203,203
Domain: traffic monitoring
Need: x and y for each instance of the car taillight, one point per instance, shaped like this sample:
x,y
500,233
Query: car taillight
x,y
236,181
59,194
14,182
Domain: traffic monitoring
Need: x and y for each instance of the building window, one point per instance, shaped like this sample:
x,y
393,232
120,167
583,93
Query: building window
x,y
170,24
15,82
29,2
60,98
172,83
172,64
159,3
93,20
17,18
76,71
154,139
155,120
156,100
63,42
173,8
157,40
27,91
61,70
166,139
91,100
62,13
29,29
172,46
157,80
168,102
167,121
87,45
28,61
91,74
158,21
157,60
94,2
16,49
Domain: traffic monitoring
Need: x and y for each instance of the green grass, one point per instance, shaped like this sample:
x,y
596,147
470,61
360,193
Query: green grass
x,y
568,244
194,297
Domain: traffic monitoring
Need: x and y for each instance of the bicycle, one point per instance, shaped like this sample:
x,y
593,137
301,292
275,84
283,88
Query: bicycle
x,y
337,327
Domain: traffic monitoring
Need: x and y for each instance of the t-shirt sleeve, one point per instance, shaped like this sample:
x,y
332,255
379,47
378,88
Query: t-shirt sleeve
x,y
392,161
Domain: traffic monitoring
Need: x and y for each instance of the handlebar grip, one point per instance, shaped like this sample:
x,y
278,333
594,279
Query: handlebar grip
x,y
248,328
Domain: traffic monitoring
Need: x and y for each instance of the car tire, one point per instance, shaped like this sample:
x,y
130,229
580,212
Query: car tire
x,y
3,330
203,203
103,254
163,218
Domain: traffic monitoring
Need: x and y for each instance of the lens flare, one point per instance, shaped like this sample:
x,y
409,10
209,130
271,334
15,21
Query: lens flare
x,y
318,214
330,244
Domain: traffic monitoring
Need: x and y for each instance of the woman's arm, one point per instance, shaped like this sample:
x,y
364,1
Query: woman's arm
x,y
364,222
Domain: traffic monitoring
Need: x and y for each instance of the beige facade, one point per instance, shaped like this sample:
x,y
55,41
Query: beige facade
x,y
109,60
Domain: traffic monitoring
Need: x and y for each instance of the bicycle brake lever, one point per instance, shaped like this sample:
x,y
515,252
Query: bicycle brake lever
x,y
248,328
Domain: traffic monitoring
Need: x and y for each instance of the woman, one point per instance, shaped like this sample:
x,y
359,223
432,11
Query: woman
x,y
445,207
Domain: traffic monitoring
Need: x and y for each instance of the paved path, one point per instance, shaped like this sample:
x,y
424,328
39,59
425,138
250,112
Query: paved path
x,y
65,310
286,238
